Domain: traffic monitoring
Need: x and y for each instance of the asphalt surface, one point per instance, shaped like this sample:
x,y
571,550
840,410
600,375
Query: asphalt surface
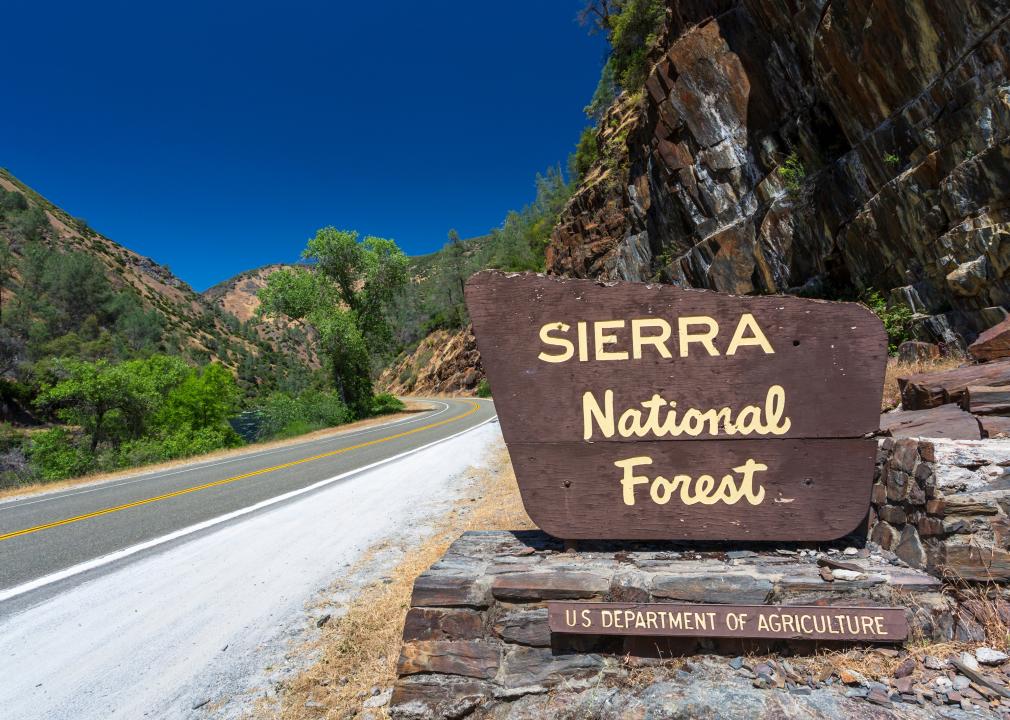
x,y
46,540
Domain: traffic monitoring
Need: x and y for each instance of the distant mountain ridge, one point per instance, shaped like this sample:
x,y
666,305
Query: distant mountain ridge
x,y
214,326
239,296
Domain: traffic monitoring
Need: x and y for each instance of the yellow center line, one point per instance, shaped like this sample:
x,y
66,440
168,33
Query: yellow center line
x,y
217,483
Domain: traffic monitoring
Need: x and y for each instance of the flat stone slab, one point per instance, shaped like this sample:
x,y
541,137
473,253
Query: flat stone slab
x,y
477,633
930,389
945,421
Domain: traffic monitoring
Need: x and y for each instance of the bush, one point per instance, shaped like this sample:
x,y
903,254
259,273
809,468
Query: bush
x,y
12,203
586,153
792,173
897,320
57,454
15,469
185,442
483,389
385,403
286,415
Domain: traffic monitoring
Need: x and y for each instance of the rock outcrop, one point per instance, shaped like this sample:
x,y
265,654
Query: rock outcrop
x,y
444,363
825,147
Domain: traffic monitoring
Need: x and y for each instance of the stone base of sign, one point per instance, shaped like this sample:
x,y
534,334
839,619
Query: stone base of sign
x,y
477,632
942,505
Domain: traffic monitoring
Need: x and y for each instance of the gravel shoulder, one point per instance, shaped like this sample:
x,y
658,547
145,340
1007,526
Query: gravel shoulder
x,y
203,628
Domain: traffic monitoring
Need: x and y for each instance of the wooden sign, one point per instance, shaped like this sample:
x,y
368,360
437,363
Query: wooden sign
x,y
636,411
729,621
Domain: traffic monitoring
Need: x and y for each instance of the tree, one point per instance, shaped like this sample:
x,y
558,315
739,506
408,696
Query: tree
x,y
344,294
110,402
454,274
597,14
204,399
7,263
631,27
87,396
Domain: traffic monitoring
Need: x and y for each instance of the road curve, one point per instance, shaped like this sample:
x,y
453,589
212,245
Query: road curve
x,y
48,540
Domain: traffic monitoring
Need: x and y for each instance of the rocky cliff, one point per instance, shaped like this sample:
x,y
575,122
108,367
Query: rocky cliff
x,y
444,363
821,146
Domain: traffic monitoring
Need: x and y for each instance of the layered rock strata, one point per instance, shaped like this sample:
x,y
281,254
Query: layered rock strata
x,y
826,147
476,635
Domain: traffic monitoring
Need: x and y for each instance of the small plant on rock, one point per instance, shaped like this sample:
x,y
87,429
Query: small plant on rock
x,y
792,173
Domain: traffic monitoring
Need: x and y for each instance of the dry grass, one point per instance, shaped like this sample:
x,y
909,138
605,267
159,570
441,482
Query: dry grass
x,y
897,368
97,478
359,651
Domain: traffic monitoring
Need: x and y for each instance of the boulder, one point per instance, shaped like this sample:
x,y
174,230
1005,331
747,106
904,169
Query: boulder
x,y
993,344
983,400
931,389
945,421
912,351
995,426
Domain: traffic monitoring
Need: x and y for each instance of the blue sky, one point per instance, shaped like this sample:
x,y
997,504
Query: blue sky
x,y
217,136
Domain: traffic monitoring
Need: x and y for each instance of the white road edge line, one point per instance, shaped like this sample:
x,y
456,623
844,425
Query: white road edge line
x,y
14,502
175,535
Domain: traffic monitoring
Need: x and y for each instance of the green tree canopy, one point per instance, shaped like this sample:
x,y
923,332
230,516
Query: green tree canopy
x,y
157,396
343,293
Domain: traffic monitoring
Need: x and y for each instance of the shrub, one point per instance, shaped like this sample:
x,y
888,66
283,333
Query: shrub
x,y
57,454
14,466
892,159
897,320
792,172
484,388
285,415
632,34
11,203
586,153
29,224
385,403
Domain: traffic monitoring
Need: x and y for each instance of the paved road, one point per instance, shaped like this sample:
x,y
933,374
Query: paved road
x,y
50,542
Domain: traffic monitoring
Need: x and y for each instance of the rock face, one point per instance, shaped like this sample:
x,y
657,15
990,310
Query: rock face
x,y
816,147
444,363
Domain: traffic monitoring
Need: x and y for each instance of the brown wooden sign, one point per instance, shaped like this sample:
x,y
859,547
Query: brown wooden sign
x,y
636,411
729,621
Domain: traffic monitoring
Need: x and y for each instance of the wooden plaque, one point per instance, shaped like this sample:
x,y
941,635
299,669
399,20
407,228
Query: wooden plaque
x,y
789,622
815,490
636,411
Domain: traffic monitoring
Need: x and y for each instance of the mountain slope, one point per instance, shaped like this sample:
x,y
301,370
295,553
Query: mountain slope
x,y
239,297
444,363
183,321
